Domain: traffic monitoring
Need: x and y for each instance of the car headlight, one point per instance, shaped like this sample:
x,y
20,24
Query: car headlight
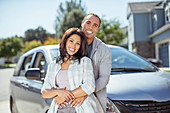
x,y
111,108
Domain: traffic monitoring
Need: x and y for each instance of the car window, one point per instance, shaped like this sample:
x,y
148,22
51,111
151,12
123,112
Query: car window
x,y
26,65
121,58
40,62
18,66
54,53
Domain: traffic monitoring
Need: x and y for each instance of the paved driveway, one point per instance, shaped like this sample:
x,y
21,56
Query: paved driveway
x,y
5,75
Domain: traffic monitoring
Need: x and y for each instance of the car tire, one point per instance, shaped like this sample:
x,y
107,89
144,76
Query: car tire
x,y
13,107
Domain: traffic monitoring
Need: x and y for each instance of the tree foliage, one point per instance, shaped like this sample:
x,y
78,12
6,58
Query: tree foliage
x,y
110,32
37,34
10,47
32,44
70,16
51,41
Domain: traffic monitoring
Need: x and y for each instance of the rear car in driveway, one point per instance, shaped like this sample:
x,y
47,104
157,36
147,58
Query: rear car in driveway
x,y
135,84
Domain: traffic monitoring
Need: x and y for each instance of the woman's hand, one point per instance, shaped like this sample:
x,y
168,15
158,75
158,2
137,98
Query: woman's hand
x,y
65,94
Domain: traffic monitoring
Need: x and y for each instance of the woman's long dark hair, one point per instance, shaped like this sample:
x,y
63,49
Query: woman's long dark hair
x,y
83,50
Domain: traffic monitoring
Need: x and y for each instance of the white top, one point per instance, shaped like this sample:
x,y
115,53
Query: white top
x,y
79,74
62,79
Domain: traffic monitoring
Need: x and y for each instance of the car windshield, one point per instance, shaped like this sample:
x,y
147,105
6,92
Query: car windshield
x,y
125,61
54,53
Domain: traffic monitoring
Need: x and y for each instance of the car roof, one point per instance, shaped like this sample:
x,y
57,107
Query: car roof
x,y
114,46
45,48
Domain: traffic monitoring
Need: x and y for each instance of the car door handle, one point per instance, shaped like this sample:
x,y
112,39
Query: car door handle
x,y
25,85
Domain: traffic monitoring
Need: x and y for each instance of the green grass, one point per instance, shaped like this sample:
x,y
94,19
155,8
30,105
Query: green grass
x,y
8,66
167,70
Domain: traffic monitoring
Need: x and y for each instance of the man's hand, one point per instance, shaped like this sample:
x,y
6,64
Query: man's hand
x,y
61,102
77,101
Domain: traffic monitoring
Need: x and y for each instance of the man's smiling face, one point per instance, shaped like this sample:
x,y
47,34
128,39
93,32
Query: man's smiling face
x,y
90,26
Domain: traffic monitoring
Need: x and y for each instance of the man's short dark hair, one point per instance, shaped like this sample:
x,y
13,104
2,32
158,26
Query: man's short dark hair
x,y
93,15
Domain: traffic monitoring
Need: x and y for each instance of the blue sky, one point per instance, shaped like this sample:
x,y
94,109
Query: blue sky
x,y
17,16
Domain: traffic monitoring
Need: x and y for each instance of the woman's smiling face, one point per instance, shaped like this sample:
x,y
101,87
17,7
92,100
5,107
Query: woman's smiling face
x,y
73,44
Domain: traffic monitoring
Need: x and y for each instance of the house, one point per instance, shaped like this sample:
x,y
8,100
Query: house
x,y
2,61
124,42
149,30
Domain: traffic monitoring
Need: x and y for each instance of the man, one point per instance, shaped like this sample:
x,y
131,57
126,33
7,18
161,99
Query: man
x,y
101,59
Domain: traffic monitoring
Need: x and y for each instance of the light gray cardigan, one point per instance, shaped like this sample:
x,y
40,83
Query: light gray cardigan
x,y
101,61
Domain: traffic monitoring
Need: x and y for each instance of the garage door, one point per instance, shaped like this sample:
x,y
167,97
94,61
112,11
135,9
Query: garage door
x,y
164,54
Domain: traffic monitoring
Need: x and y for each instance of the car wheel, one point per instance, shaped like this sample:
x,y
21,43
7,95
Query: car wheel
x,y
13,107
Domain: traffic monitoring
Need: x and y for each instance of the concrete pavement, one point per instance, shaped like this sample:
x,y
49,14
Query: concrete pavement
x,y
5,75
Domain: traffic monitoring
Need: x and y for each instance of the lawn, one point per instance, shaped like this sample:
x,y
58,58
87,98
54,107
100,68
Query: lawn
x,y
8,66
167,70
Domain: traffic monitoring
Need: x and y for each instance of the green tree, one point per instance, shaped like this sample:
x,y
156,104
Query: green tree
x,y
37,34
32,44
10,47
70,16
51,41
110,32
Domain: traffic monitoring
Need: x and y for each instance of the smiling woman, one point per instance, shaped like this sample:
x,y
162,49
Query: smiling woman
x,y
73,44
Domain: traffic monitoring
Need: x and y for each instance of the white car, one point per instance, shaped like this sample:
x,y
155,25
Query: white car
x,y
135,84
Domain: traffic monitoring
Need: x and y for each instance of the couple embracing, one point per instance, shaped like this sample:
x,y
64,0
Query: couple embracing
x,y
77,79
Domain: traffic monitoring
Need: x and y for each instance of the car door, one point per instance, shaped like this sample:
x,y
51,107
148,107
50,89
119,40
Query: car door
x,y
36,103
28,94
21,84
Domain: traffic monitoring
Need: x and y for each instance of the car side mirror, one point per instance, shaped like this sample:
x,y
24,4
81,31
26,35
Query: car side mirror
x,y
33,74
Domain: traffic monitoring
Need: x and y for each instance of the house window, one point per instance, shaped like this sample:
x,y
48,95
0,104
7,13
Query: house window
x,y
134,47
155,21
164,44
167,18
167,13
130,26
